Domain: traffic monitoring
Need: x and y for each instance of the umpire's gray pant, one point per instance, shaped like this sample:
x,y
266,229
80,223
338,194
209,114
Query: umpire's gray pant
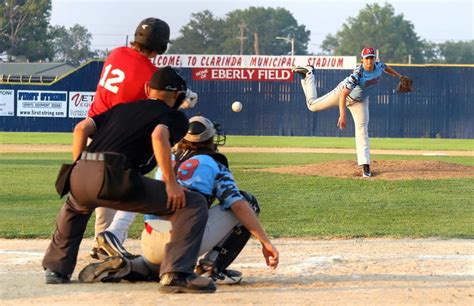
x,y
188,223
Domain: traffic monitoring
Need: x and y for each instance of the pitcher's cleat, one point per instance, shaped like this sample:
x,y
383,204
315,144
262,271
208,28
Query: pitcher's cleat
x,y
366,171
303,70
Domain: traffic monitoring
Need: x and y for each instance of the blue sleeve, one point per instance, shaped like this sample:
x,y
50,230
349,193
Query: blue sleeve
x,y
354,79
226,190
382,65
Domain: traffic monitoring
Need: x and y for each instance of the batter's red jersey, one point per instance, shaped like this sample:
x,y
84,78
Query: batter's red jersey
x,y
123,79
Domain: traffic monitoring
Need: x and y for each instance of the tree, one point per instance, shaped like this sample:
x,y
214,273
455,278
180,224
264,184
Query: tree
x,y
205,34
24,28
460,52
377,26
72,45
202,35
268,23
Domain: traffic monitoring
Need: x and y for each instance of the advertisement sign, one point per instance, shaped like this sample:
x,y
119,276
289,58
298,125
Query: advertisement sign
x,y
35,103
79,103
7,101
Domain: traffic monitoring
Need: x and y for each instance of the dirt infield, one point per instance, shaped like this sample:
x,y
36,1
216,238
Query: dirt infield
x,y
25,148
381,170
312,272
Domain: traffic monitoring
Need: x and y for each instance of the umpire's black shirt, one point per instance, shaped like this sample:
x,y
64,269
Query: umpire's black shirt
x,y
127,128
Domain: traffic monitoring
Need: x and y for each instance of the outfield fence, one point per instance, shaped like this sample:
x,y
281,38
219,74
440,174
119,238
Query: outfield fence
x,y
442,104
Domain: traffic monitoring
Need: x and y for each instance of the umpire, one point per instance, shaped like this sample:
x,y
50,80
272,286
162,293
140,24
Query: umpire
x,y
127,142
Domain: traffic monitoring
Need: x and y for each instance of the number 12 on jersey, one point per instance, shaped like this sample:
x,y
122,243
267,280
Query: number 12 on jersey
x,y
110,78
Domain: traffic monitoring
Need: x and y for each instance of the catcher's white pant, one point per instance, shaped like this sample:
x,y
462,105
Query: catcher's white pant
x,y
114,221
219,225
359,111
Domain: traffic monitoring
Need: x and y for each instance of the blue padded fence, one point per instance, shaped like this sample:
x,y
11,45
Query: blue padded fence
x,y
442,104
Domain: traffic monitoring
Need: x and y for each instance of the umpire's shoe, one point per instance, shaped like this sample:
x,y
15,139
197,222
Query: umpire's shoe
x,y
108,243
112,269
53,278
303,70
185,283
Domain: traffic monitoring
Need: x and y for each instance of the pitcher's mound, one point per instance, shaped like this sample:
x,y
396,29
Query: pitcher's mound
x,y
382,169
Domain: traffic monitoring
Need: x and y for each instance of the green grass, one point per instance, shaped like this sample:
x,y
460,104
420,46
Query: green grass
x,y
35,138
292,206
349,143
275,141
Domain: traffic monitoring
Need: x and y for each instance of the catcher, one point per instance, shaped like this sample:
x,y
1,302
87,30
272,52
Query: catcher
x,y
201,168
353,92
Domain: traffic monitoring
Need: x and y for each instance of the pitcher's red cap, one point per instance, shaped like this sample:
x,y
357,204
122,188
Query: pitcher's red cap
x,y
368,51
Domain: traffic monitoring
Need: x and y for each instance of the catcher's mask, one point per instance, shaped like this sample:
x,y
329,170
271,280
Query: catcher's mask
x,y
202,129
154,34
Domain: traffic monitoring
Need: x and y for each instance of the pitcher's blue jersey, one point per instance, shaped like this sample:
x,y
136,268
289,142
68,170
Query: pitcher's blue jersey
x,y
362,82
205,175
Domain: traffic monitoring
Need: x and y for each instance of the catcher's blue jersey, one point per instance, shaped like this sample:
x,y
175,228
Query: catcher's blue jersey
x,y
362,82
205,175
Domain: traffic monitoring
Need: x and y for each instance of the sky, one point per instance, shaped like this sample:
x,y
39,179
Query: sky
x,y
110,21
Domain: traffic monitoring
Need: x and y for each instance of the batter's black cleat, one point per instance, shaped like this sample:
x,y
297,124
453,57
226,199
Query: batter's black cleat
x,y
303,70
185,283
109,244
97,253
366,171
54,278
112,269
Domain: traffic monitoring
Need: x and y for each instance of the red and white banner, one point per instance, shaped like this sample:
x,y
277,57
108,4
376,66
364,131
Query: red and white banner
x,y
250,67
254,61
241,74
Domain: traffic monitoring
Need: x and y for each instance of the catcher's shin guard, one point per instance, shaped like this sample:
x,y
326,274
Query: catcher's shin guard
x,y
223,254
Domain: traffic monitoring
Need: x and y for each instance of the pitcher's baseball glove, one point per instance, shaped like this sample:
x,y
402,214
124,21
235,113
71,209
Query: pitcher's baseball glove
x,y
405,85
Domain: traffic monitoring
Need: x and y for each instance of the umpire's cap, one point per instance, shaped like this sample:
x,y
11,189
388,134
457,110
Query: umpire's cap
x,y
154,34
168,79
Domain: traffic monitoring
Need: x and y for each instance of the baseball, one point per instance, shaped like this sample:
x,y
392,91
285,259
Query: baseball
x,y
236,106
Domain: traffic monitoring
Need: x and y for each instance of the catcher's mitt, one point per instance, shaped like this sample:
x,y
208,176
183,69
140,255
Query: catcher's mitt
x,y
405,84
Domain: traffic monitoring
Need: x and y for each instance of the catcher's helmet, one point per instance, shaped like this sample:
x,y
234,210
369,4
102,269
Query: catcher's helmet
x,y
201,129
154,34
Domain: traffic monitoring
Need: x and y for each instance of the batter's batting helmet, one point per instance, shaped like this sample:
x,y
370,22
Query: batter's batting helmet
x,y
154,34
201,129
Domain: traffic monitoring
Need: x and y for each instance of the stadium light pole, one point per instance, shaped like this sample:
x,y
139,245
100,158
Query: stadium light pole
x,y
289,40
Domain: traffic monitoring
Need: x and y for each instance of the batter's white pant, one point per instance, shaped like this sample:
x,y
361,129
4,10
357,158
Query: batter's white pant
x,y
359,111
219,225
115,221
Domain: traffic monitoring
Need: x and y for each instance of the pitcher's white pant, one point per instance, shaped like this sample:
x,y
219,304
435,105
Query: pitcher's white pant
x,y
359,111
219,225
114,221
